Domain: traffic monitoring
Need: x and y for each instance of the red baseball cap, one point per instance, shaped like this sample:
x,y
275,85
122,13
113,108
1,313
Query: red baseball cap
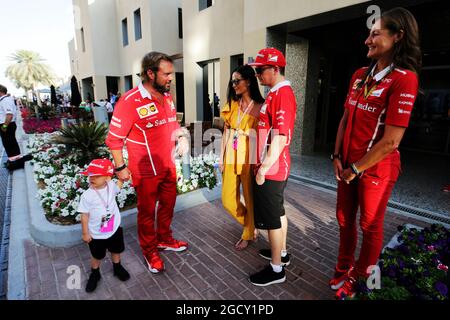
x,y
269,57
99,167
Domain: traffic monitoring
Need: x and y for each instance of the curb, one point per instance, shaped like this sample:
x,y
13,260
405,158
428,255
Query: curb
x,y
19,229
19,233
58,236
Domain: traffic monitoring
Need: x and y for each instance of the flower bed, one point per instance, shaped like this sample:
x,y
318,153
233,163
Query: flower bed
x,y
60,183
414,269
33,125
203,173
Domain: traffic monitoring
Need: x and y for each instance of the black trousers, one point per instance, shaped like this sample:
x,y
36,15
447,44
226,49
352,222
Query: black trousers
x,y
9,140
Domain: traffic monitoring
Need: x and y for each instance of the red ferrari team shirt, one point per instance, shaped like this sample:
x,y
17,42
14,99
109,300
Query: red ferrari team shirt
x,y
277,117
387,98
148,129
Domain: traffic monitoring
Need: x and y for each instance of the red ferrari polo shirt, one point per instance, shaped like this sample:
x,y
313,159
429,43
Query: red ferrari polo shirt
x,y
386,98
277,117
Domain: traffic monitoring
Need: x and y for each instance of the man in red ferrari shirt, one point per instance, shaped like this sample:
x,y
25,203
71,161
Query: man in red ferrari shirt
x,y
275,131
145,119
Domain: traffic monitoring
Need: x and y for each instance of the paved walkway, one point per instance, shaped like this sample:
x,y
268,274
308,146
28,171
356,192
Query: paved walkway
x,y
419,185
211,268
5,211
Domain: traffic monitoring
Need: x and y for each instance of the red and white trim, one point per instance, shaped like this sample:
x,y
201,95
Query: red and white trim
x,y
148,148
115,135
136,142
377,128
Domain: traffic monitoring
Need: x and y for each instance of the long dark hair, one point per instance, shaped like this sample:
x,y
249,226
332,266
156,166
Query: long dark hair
x,y
407,53
247,73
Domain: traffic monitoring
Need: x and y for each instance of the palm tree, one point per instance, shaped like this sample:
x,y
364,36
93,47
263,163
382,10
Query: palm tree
x,y
28,71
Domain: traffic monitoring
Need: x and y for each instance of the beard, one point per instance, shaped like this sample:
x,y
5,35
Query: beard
x,y
160,88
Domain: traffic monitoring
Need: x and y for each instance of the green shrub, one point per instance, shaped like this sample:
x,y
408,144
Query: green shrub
x,y
86,138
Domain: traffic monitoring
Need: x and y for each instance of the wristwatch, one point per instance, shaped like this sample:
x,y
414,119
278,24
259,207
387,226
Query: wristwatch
x,y
335,156
122,167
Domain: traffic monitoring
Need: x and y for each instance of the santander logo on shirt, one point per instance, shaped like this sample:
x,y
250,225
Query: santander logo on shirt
x,y
366,107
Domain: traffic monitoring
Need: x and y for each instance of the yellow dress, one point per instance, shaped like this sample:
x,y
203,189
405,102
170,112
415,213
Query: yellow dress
x,y
237,166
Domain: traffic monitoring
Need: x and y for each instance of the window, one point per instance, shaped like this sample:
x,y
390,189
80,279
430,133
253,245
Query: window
x,y
125,32
83,45
128,83
236,61
203,4
137,25
180,23
211,89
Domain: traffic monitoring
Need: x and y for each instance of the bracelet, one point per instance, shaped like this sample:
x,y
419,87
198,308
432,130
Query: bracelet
x,y
122,167
354,169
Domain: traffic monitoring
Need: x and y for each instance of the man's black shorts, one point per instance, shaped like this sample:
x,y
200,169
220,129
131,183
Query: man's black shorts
x,y
114,244
269,204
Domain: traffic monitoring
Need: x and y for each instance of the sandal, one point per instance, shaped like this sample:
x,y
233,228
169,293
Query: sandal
x,y
241,244
255,235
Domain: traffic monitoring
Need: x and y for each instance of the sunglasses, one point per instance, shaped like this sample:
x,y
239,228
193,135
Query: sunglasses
x,y
235,82
259,70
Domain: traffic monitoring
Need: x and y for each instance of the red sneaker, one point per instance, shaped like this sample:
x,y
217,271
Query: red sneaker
x,y
348,289
339,278
154,262
172,245
446,188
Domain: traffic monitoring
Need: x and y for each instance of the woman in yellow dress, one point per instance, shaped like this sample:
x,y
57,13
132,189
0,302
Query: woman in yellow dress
x,y
238,152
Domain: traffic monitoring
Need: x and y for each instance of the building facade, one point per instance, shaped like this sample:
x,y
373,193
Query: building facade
x,y
112,36
324,44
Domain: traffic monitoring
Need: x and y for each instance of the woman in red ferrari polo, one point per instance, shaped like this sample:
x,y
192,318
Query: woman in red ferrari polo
x,y
366,159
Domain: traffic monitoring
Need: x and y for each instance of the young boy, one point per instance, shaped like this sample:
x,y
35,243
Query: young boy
x,y
100,220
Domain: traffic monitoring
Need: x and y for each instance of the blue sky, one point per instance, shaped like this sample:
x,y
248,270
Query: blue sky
x,y
44,26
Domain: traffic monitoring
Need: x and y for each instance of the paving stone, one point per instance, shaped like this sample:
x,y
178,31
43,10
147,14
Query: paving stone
x,y
211,268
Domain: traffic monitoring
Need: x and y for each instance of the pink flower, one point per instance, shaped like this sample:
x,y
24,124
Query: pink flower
x,y
442,267
430,248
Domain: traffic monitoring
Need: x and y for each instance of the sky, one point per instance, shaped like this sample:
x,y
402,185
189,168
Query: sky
x,y
44,26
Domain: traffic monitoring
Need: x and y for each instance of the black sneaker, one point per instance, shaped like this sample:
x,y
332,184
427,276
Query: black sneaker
x,y
27,157
94,278
267,276
267,254
15,165
120,272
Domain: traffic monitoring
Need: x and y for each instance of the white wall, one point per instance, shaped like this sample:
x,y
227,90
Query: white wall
x,y
104,38
131,55
86,58
73,57
213,33
232,27
164,26
260,14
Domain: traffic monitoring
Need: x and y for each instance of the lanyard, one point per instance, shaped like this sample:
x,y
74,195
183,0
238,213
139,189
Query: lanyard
x,y
239,119
367,91
105,203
